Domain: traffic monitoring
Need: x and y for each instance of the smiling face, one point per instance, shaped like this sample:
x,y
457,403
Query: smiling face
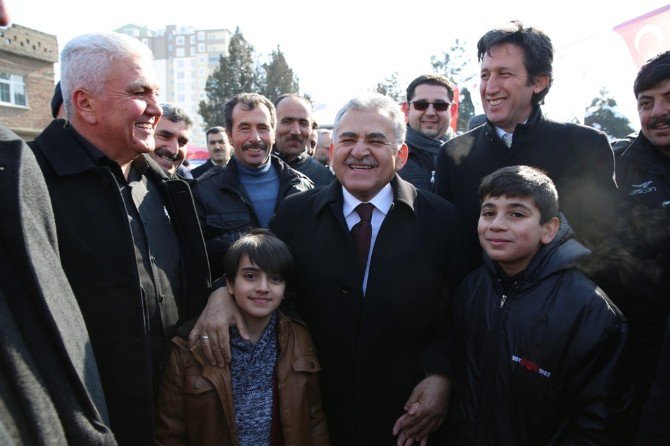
x,y
171,141
430,122
256,292
294,125
252,135
510,231
505,89
127,111
364,154
653,106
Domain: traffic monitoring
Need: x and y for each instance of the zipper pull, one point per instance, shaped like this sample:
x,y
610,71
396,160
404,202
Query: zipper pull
x,y
502,301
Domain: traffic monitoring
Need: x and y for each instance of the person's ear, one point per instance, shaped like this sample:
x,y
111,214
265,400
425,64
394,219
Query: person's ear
x,y
331,150
405,109
84,104
229,287
549,230
540,83
454,110
401,157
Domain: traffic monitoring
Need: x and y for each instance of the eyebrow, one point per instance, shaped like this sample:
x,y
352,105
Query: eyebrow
x,y
509,205
166,133
375,135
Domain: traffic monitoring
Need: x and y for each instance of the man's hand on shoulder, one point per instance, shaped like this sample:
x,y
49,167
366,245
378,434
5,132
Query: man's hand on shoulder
x,y
210,334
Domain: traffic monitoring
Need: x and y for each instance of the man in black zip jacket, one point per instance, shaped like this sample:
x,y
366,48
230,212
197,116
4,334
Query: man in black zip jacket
x,y
537,344
244,195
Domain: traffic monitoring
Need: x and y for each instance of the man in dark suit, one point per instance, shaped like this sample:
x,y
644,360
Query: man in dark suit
x,y
129,238
374,315
516,75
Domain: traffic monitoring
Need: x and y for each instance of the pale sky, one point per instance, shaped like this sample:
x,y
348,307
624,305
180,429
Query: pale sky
x,y
342,50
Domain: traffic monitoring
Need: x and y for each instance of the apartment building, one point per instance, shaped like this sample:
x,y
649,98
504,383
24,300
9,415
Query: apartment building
x,y
27,60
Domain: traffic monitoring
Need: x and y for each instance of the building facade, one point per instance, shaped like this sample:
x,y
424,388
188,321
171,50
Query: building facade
x,y
27,60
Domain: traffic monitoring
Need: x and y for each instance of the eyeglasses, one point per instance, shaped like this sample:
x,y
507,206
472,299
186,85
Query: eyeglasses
x,y
422,105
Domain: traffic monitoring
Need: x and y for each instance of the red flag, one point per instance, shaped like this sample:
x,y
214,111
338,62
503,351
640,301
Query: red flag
x,y
647,35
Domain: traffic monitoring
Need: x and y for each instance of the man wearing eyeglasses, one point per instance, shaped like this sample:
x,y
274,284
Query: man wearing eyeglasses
x,y
516,75
429,109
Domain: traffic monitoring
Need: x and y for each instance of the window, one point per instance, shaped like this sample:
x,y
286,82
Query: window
x,y
180,52
180,40
12,89
201,47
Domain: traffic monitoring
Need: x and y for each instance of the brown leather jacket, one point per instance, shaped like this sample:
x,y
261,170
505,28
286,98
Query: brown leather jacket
x,y
195,405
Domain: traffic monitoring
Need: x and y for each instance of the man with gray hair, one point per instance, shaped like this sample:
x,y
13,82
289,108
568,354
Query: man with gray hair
x,y
172,133
376,259
128,235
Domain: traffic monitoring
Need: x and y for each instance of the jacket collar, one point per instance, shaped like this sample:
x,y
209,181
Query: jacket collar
x,y
643,153
533,122
403,193
63,150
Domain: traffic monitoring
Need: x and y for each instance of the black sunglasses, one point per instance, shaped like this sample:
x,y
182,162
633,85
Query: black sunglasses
x,y
422,105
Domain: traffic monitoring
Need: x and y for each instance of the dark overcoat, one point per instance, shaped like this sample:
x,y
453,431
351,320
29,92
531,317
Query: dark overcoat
x,y
98,256
50,391
577,158
374,349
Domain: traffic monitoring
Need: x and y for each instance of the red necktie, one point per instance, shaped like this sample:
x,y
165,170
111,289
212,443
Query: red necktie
x,y
362,233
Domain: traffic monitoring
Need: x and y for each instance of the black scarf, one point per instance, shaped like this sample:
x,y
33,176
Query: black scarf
x,y
418,140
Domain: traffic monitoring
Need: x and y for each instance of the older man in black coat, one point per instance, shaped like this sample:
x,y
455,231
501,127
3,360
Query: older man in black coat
x,y
129,238
375,314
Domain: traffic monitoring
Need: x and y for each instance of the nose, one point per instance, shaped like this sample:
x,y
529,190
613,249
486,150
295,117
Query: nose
x,y
490,86
173,146
360,149
153,107
262,284
255,135
295,128
661,108
498,223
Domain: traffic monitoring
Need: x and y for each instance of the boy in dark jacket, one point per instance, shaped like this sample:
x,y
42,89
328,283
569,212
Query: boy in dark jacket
x,y
537,343
269,393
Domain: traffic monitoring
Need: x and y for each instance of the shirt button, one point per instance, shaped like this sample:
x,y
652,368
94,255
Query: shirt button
x,y
161,298
346,289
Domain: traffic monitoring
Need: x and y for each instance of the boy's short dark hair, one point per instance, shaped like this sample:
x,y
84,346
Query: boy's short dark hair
x,y
524,182
264,250
655,70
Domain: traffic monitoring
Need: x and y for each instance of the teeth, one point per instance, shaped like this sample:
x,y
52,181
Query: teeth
x,y
496,102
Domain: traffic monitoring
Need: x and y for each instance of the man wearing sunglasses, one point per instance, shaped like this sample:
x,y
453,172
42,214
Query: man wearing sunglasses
x,y
516,75
429,110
